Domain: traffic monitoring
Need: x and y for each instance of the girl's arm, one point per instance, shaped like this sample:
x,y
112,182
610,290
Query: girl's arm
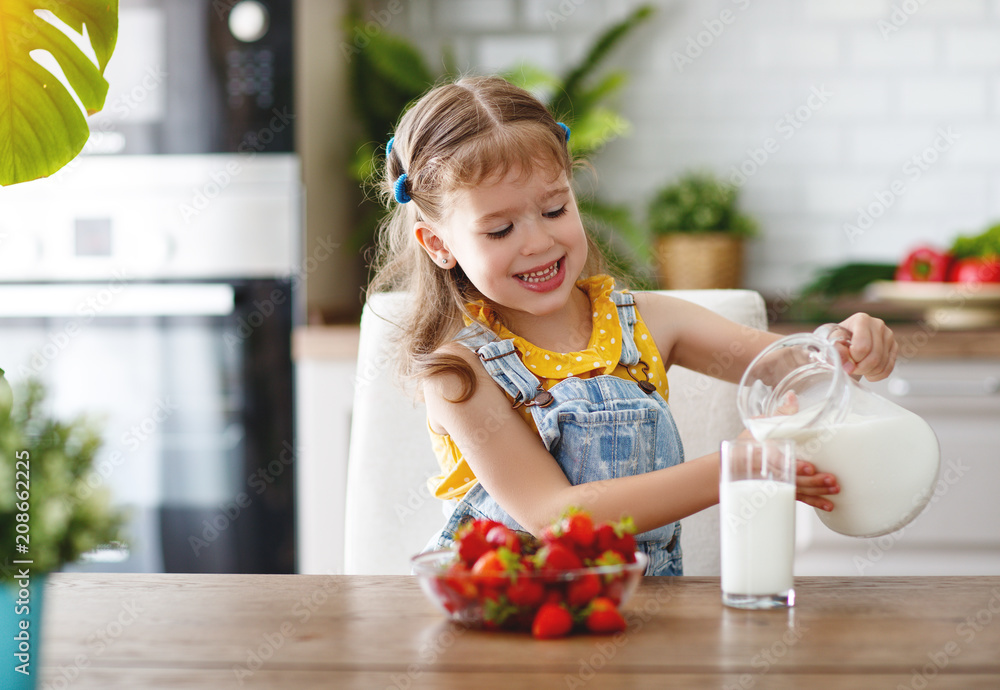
x,y
513,465
699,339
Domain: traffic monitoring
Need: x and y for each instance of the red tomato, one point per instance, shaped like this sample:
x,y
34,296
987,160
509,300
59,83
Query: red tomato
x,y
976,270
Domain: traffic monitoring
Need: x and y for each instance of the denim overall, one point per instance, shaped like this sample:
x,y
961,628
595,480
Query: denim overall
x,y
597,428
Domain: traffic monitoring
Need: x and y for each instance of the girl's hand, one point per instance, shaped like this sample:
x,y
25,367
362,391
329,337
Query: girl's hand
x,y
872,349
811,486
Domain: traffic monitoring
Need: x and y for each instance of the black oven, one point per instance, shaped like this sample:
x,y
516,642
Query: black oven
x,y
157,294
199,76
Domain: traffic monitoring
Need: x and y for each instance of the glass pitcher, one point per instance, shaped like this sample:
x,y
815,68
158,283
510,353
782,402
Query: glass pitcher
x,y
885,457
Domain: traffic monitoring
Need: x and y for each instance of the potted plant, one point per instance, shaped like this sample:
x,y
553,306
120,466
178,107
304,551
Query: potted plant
x,y
51,512
699,233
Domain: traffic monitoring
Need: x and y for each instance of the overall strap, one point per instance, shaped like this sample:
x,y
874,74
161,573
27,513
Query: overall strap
x,y
501,362
625,302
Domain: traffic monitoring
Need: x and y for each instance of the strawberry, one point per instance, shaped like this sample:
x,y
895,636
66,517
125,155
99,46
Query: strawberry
x,y
501,535
603,617
494,567
471,540
580,591
551,620
578,528
458,579
617,537
497,611
525,591
555,556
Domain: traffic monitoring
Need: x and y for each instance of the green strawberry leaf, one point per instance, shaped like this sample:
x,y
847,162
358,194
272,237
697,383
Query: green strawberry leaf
x,y
41,127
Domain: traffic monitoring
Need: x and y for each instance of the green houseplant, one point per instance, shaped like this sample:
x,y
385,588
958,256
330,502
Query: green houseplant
x,y
389,73
699,232
50,513
41,126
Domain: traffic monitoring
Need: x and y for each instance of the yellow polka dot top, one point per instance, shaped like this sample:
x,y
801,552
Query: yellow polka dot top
x,y
600,357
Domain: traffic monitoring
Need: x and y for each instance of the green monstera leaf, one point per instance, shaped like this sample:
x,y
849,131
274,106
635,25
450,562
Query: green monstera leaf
x,y
41,127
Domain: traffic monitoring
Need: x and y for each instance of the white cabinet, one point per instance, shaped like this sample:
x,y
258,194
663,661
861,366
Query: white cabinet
x,y
959,531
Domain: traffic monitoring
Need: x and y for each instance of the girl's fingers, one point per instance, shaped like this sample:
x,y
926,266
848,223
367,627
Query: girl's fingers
x,y
816,502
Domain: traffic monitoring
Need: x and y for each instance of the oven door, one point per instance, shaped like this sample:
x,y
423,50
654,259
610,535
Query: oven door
x,y
192,386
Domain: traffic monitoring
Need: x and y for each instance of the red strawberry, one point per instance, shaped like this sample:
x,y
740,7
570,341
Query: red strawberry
x,y
458,578
494,567
618,537
578,528
501,535
471,540
526,591
552,620
580,591
557,557
603,617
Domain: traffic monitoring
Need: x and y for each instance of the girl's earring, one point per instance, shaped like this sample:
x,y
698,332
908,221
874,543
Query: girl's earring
x,y
444,260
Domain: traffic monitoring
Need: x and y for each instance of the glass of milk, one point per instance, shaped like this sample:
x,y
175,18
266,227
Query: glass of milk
x,y
757,523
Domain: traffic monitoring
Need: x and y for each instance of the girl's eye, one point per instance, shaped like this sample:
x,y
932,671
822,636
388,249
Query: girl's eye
x,y
500,234
555,214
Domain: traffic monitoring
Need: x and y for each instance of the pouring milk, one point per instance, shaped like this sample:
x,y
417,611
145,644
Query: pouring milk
x,y
885,457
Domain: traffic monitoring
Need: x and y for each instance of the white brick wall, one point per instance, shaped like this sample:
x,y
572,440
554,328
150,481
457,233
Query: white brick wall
x,y
897,72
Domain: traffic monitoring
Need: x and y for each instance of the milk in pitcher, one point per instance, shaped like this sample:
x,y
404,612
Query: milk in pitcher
x,y
907,459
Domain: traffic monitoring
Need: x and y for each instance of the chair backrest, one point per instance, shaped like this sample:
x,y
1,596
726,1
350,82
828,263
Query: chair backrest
x,y
390,513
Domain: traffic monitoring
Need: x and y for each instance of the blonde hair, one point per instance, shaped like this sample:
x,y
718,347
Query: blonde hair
x,y
456,136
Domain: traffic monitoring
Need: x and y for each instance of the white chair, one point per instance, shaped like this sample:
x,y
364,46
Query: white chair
x,y
390,512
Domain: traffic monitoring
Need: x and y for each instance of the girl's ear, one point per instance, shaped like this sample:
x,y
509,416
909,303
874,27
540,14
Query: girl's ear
x,y
432,243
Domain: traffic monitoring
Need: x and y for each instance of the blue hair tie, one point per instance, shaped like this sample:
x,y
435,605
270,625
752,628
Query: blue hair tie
x,y
399,190
565,129
388,146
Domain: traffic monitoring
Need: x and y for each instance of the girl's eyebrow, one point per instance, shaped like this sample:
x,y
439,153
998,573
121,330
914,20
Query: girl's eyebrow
x,y
503,213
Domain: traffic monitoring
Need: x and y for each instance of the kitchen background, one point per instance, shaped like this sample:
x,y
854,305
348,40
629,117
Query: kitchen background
x,y
854,129
853,95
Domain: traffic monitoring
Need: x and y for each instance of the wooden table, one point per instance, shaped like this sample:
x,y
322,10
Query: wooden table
x,y
301,632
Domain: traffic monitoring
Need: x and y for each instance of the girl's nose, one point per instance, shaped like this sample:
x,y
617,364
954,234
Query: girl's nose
x,y
538,239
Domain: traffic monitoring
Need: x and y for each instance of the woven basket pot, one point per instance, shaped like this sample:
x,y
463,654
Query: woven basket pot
x,y
703,261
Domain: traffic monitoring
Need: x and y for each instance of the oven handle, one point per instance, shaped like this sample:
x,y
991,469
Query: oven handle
x,y
987,386
87,301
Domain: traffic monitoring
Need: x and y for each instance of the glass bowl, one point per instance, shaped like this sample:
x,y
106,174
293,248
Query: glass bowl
x,y
484,601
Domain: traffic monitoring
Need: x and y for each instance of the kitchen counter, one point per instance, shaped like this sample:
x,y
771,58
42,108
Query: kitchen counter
x,y
315,631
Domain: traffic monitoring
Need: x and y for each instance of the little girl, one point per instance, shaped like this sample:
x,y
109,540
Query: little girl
x,y
545,382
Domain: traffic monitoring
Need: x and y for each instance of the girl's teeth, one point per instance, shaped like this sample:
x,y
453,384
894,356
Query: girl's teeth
x,y
540,276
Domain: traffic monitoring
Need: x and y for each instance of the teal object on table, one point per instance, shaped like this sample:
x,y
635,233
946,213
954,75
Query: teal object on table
x,y
21,631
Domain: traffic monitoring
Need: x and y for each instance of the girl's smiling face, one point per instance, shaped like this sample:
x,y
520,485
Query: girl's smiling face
x,y
518,239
